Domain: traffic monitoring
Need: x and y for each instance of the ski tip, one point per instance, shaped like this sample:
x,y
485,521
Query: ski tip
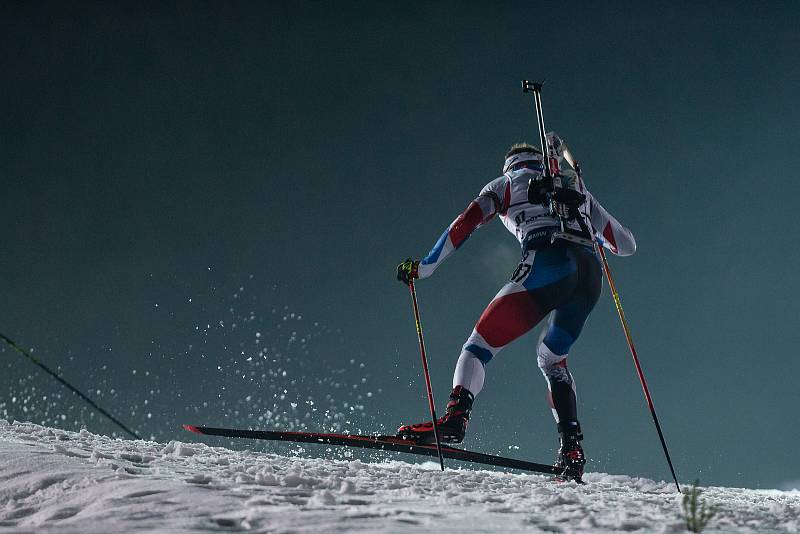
x,y
192,428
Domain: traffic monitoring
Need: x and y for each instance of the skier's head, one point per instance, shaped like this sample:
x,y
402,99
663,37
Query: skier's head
x,y
522,155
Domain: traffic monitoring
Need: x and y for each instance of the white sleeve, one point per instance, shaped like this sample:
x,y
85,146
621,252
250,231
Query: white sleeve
x,y
615,237
481,210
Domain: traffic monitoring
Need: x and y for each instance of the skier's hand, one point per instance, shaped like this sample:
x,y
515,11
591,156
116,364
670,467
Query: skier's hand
x,y
407,271
538,188
569,197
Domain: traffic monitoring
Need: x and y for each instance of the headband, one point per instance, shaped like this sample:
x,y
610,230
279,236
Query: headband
x,y
522,156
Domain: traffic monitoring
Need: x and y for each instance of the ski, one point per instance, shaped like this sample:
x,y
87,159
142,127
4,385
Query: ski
x,y
384,443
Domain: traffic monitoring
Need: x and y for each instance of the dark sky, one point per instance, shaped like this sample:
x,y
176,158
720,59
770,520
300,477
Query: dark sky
x,y
188,185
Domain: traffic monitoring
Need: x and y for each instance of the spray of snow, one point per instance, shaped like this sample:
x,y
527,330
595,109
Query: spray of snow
x,y
251,361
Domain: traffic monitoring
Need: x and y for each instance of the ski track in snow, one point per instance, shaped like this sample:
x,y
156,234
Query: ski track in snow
x,y
55,480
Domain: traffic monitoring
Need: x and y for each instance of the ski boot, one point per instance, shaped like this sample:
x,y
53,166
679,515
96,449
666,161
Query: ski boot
x,y
452,426
570,455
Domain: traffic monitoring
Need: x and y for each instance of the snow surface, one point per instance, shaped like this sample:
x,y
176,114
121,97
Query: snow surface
x,y
55,480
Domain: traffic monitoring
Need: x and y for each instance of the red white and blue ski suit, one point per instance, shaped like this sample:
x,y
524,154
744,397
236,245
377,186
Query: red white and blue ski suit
x,y
561,277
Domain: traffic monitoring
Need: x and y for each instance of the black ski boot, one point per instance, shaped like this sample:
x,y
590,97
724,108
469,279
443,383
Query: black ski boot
x,y
452,426
570,455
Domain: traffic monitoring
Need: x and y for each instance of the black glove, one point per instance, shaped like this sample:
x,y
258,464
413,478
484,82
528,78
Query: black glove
x,y
407,271
538,188
567,203
569,197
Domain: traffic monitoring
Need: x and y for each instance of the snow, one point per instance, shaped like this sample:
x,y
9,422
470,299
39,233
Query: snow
x,y
55,480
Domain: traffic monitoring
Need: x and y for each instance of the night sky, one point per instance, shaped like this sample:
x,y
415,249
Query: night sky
x,y
203,205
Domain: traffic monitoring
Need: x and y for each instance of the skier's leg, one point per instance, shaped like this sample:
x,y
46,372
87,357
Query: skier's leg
x,y
511,313
560,383
563,328
536,287
469,372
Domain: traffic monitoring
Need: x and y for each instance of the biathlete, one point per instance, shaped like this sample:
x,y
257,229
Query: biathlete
x,y
556,276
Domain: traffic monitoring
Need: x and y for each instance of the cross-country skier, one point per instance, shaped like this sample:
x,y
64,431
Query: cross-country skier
x,y
556,276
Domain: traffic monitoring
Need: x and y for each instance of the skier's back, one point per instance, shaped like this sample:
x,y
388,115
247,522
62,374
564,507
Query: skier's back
x,y
559,273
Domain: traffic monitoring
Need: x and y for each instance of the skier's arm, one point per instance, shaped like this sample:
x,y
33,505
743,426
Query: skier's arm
x,y
479,211
611,233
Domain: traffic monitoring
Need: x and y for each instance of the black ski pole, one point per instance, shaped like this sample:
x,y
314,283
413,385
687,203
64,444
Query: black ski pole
x,y
67,385
629,338
425,371
639,371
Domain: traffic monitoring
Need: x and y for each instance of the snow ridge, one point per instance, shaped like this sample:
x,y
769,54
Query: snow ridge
x,y
55,480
